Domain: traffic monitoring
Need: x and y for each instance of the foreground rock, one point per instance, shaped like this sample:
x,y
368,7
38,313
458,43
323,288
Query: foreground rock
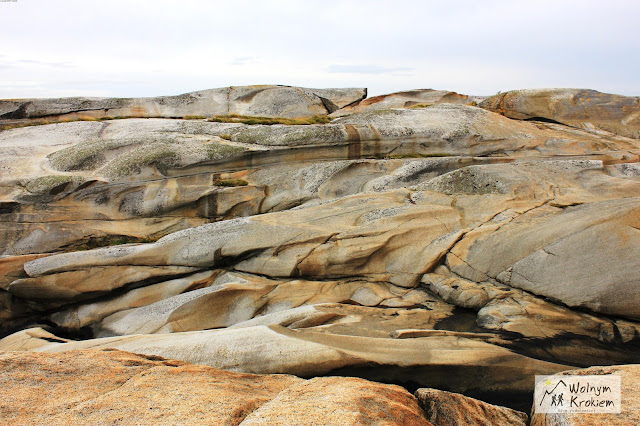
x,y
588,109
265,100
90,387
491,373
446,408
630,401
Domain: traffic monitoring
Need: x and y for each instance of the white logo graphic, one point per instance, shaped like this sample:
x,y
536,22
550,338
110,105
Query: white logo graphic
x,y
577,394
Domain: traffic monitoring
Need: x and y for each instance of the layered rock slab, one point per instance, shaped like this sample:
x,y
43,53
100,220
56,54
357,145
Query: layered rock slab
x,y
490,371
585,108
412,98
97,386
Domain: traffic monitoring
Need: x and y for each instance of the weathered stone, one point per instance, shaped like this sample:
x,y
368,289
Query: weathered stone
x,y
340,401
490,370
265,100
89,387
413,98
574,107
445,408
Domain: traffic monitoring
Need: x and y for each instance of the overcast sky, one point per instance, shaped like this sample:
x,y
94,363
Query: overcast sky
x,y
52,48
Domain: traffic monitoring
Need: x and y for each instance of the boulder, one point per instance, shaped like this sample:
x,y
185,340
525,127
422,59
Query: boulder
x,y
340,401
583,108
445,408
98,386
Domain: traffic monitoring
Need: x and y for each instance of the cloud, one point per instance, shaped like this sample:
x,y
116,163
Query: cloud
x,y
242,61
45,63
364,69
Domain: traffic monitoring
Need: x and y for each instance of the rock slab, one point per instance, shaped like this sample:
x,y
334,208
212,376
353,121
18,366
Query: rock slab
x,y
115,387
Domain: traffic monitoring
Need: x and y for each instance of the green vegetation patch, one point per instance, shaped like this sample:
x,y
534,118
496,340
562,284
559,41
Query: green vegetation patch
x,y
118,158
85,155
411,155
44,121
216,151
230,182
246,119
52,184
162,155
421,106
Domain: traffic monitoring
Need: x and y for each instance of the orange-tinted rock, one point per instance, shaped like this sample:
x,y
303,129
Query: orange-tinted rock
x,y
340,401
115,387
448,409
89,387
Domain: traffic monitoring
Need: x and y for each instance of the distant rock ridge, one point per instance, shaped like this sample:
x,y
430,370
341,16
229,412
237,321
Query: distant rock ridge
x,y
585,108
260,100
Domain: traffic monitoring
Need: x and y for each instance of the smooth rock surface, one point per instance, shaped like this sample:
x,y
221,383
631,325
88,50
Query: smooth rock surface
x,y
445,246
414,98
575,107
261,100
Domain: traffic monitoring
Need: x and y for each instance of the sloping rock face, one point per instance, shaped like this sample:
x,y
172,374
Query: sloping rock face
x,y
588,109
629,393
413,98
97,387
447,247
265,100
446,408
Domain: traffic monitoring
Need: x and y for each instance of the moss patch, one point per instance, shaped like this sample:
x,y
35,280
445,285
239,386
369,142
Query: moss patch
x,y
161,155
230,182
52,184
85,155
421,106
246,119
117,158
217,151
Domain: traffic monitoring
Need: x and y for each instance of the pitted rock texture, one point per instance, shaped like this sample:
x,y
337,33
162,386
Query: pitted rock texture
x,y
115,387
445,408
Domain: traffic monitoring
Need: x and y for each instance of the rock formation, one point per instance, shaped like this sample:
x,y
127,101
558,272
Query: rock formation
x,y
416,239
134,389
262,100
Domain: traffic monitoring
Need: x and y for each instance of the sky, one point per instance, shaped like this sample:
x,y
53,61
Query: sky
x,y
136,48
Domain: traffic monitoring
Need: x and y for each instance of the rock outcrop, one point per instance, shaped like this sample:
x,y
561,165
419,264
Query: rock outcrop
x,y
445,408
91,387
411,99
261,100
446,246
588,109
